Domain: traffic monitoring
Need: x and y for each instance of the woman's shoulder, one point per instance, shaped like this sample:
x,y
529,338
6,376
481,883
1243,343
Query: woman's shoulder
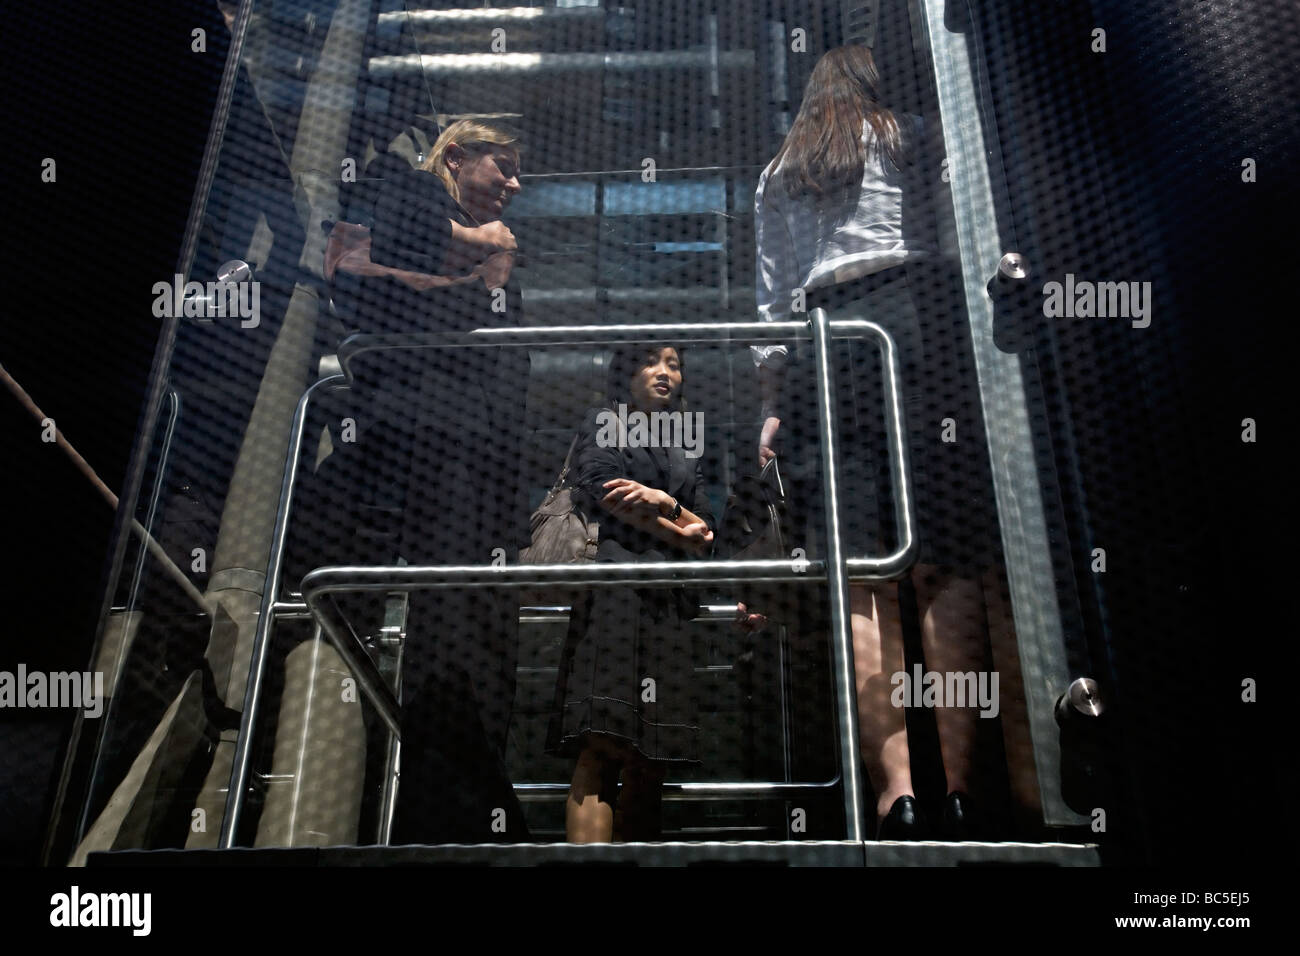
x,y
598,420
595,415
766,193
414,184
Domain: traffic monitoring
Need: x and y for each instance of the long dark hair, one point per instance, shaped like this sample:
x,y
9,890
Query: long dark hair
x,y
823,152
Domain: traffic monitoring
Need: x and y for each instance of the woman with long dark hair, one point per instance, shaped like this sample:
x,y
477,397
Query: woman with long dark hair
x,y
625,702
841,224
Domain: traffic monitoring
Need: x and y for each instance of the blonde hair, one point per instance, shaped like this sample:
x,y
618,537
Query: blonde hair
x,y
472,136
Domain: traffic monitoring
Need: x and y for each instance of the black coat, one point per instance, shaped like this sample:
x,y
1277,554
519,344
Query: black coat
x,y
667,469
621,638
462,407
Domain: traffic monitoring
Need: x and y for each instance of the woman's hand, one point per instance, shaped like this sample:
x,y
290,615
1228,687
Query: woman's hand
x,y
495,235
698,538
748,621
628,497
646,508
474,243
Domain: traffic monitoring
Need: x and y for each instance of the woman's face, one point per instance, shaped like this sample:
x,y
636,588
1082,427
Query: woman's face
x,y
487,181
658,382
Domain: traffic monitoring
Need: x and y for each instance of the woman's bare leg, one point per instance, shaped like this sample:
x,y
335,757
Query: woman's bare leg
x,y
589,811
882,727
953,636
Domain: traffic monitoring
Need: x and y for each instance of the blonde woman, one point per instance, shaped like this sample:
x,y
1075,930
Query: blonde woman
x,y
440,436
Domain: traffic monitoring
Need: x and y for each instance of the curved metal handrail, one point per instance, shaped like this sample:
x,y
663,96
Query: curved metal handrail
x,y
836,570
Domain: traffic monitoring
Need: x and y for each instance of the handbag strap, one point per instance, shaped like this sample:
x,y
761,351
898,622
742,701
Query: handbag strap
x,y
564,472
559,482
775,472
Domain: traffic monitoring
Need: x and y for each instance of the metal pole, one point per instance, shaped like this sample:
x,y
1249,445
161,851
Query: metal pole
x,y
904,555
421,577
837,583
835,570
524,66
262,635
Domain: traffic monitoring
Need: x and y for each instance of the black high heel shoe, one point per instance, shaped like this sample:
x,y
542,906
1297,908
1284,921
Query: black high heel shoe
x,y
958,818
903,822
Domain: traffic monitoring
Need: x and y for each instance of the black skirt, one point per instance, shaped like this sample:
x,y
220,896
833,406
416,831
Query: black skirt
x,y
628,670
948,460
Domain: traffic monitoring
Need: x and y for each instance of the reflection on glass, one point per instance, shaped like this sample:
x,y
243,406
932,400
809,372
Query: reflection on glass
x,y
597,166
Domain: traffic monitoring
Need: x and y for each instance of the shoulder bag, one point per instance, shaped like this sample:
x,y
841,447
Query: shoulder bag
x,y
561,533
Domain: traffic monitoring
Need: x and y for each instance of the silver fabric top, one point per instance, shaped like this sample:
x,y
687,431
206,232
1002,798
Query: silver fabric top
x,y
809,243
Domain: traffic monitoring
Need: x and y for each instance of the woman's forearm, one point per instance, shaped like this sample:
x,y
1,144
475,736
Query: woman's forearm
x,y
657,513
686,518
464,251
659,527
473,244
770,380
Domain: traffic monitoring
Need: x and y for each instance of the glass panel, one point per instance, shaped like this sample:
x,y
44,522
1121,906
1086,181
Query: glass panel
x,y
638,133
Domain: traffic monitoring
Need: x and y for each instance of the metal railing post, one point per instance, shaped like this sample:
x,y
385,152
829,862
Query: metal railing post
x,y
837,583
836,570
262,635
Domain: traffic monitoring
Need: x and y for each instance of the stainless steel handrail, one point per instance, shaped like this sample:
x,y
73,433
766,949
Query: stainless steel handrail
x,y
261,637
541,613
164,454
741,333
899,561
837,582
693,791
837,571
884,568
423,577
